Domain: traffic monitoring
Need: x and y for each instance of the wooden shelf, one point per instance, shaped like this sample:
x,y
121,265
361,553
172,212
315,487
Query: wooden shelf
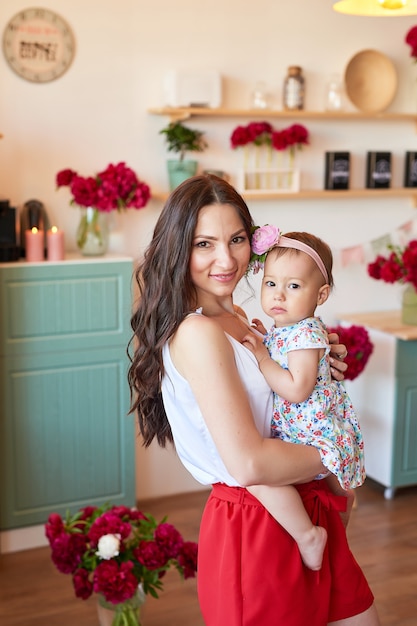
x,y
183,113
311,194
383,321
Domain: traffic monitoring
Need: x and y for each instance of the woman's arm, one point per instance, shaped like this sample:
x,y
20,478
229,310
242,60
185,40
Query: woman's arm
x,y
212,374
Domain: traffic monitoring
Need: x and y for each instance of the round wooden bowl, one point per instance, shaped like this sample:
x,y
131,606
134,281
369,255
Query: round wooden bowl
x,y
370,81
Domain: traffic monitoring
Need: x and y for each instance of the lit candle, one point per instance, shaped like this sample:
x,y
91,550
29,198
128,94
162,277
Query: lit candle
x,y
34,245
55,244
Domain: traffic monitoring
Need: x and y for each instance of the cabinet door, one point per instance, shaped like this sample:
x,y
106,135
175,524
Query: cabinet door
x,y
67,440
405,453
405,440
56,307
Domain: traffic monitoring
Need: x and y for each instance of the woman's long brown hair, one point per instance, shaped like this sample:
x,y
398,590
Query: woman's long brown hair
x,y
167,295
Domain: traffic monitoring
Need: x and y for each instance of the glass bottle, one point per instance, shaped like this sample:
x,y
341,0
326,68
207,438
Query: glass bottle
x,y
260,96
294,89
334,94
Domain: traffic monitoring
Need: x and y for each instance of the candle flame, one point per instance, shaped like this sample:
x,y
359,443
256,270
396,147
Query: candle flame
x,y
34,230
54,229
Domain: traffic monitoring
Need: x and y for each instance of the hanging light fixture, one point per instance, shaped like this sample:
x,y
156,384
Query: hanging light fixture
x,y
377,8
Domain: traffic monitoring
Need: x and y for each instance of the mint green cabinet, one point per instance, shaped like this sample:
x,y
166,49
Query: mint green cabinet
x,y
66,439
385,397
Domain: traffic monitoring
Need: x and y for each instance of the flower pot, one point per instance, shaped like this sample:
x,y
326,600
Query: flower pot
x,y
409,306
126,613
93,232
178,171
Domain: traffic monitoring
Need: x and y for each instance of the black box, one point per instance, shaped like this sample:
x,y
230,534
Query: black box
x,y
378,170
9,250
410,169
337,170
7,223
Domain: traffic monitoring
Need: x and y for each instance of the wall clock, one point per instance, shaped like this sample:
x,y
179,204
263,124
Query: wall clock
x,y
38,45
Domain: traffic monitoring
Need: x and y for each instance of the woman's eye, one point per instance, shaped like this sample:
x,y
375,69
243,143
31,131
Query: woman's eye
x,y
239,239
202,244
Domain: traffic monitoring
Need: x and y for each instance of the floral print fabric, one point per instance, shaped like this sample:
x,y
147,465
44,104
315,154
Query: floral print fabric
x,y
326,419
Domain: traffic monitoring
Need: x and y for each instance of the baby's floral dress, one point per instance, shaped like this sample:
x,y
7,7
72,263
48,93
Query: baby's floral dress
x,y
326,420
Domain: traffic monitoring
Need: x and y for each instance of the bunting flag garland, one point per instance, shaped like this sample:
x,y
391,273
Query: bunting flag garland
x,y
366,252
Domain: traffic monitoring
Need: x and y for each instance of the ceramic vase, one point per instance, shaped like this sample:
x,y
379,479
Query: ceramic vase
x,y
178,171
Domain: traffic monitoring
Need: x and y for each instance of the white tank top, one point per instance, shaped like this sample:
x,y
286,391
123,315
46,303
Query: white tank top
x,y
193,442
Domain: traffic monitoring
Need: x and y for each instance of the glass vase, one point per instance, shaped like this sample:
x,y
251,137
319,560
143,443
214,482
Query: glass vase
x,y
409,306
93,232
126,613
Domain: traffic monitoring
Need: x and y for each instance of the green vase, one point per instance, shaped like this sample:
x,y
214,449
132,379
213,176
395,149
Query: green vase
x,y
409,306
178,171
126,613
93,232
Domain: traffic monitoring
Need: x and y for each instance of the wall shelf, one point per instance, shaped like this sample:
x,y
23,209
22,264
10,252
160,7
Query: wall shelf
x,y
183,113
320,194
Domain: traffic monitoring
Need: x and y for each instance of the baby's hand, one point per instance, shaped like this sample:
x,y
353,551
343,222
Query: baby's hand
x,y
255,345
257,324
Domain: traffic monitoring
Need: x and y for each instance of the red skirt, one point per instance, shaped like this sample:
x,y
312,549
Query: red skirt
x,y
250,572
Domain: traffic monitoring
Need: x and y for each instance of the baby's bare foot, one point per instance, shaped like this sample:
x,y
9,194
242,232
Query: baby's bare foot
x,y
312,547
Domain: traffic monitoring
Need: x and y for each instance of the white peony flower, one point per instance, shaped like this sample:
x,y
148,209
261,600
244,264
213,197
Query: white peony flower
x,y
108,546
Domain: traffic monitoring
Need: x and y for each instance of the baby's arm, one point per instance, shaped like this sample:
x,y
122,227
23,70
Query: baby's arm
x,y
294,384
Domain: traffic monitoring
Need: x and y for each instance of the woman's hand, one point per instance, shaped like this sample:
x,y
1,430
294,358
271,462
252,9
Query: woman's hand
x,y
338,352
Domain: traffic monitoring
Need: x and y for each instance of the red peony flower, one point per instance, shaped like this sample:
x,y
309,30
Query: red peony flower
x,y
151,554
297,135
83,587
188,558
400,266
54,527
359,347
411,40
115,188
116,582
64,178
169,539
67,552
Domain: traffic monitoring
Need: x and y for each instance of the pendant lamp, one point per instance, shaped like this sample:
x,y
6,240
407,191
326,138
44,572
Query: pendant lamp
x,y
377,8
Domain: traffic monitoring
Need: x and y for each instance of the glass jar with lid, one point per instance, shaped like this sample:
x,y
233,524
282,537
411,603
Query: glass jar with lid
x,y
294,88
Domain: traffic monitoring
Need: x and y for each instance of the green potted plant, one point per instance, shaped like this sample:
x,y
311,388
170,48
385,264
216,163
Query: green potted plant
x,y
182,139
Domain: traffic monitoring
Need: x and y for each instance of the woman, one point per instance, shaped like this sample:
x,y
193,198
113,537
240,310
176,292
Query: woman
x,y
195,384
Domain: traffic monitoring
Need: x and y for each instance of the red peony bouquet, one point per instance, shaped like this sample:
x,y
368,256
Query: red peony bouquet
x,y
115,188
359,348
399,266
263,134
112,549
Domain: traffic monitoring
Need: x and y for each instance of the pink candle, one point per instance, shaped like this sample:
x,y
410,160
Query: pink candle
x,y
34,245
55,244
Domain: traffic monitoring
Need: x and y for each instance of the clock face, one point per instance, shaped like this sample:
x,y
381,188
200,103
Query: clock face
x,y
38,45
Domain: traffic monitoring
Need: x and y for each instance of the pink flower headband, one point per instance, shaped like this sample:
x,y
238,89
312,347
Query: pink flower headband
x,y
264,238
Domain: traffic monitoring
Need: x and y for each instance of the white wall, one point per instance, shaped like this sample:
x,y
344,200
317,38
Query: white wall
x,y
97,113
